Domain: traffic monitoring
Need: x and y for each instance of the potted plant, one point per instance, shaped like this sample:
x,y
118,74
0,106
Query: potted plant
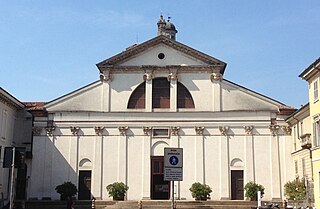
x,y
66,190
252,189
117,190
200,191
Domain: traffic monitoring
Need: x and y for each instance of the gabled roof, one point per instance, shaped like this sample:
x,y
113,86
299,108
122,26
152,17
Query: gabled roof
x,y
307,73
5,96
161,39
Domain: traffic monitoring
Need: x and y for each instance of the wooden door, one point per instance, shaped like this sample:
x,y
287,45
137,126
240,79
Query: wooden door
x,y
160,189
237,185
84,185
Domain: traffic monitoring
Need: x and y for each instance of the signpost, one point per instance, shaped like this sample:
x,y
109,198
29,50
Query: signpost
x,y
173,164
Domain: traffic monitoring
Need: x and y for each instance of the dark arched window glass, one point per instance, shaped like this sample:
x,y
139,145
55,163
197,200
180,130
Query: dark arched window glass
x,y
138,97
160,93
184,97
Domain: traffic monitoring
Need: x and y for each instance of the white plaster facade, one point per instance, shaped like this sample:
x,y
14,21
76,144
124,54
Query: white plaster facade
x,y
15,130
230,128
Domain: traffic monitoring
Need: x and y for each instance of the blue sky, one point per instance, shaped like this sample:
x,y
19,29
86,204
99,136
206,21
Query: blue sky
x,y
50,48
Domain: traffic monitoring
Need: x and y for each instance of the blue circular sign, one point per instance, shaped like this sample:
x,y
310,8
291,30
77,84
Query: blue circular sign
x,y
173,160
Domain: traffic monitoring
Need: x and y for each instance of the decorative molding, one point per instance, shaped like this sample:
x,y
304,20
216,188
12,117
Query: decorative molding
x,y
248,130
199,130
175,130
224,130
286,129
105,76
146,130
216,76
50,130
123,130
172,76
36,130
99,130
75,130
148,76
274,129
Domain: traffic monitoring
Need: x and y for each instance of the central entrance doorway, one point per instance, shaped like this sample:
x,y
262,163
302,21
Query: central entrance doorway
x,y
160,189
237,185
84,185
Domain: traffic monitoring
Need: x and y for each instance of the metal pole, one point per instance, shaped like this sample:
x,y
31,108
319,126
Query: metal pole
x,y
12,176
172,201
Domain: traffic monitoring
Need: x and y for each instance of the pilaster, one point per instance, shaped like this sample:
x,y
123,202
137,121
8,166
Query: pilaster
x,y
173,78
148,101
216,78
275,163
146,178
249,154
97,180
199,155
224,164
123,155
105,78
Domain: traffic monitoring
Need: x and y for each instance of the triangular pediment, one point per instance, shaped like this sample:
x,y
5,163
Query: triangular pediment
x,y
175,54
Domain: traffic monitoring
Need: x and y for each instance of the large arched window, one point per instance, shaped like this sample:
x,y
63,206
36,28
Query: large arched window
x,y
184,97
160,95
138,97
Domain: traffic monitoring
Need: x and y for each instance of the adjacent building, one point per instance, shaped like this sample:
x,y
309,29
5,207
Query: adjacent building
x,y
157,94
15,131
311,75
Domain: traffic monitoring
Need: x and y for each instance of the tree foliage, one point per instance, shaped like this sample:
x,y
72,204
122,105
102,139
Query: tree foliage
x,y
295,190
252,189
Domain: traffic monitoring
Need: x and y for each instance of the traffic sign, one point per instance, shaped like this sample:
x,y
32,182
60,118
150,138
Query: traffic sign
x,y
173,163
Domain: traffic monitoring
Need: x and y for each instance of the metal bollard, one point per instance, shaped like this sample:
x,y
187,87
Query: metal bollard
x,y
93,203
140,204
285,204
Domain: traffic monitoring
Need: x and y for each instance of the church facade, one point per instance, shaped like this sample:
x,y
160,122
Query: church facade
x,y
157,94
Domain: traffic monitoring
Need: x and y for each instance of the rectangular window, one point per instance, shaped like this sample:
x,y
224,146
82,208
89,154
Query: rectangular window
x,y
303,167
315,134
294,138
4,124
315,91
296,168
160,133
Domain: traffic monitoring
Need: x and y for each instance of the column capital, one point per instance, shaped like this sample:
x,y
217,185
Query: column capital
x,y
224,130
147,130
199,130
36,130
123,130
216,76
286,129
105,75
74,130
274,129
173,76
50,130
248,130
175,130
148,76
99,130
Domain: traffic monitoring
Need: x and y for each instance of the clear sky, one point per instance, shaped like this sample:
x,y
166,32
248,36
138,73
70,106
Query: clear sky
x,y
50,48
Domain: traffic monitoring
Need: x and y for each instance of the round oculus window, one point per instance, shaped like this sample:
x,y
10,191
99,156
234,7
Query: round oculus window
x,y
161,56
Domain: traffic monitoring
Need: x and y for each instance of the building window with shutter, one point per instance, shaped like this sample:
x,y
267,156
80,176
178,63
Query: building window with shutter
x,y
296,169
315,91
303,167
316,137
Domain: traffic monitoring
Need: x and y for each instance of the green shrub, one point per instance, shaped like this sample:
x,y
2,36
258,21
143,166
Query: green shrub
x,y
67,189
200,191
117,190
295,190
252,189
